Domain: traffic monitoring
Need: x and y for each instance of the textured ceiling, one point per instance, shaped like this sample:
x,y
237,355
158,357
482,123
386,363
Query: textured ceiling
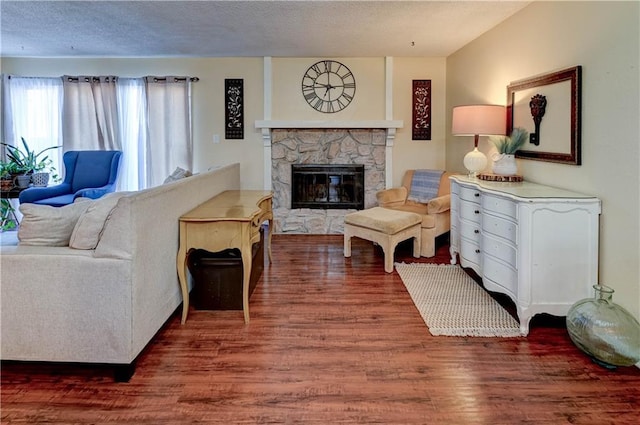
x,y
245,28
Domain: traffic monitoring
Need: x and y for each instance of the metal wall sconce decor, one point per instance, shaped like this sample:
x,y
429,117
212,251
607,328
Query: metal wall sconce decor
x,y
421,123
234,108
538,105
558,98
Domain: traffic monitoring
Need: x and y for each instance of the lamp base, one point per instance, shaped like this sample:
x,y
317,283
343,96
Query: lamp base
x,y
475,161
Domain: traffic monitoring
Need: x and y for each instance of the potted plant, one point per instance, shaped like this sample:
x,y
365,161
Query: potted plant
x,y
8,171
27,162
8,219
504,161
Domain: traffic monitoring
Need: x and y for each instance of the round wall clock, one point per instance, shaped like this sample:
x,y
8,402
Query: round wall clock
x,y
328,86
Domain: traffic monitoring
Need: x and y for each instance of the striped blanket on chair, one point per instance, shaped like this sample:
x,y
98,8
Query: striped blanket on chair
x,y
424,185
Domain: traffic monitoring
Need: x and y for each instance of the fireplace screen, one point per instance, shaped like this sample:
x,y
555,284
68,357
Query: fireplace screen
x,y
327,186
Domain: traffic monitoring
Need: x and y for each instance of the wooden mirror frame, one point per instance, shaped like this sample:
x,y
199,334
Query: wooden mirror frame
x,y
574,75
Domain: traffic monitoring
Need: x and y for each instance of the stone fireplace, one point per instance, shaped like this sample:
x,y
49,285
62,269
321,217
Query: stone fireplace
x,y
317,145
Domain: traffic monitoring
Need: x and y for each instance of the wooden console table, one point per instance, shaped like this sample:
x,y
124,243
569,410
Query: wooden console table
x,y
231,219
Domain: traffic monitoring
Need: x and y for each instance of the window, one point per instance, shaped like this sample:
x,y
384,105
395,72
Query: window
x,y
95,113
33,111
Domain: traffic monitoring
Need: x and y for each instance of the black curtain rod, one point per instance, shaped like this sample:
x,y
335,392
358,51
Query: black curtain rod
x,y
155,79
192,79
87,79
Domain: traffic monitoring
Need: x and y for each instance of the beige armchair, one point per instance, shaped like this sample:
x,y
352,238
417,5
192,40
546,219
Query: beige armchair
x,y
436,219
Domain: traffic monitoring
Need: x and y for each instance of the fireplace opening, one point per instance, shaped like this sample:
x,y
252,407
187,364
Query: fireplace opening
x,y
327,186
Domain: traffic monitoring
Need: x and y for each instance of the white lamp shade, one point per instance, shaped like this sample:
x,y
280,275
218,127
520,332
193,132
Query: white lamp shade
x,y
483,120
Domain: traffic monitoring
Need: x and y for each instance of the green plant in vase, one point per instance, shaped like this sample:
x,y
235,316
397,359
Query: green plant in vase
x,y
509,145
7,215
27,161
8,171
504,161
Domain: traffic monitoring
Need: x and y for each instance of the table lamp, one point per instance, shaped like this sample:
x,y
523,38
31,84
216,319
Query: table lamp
x,y
478,120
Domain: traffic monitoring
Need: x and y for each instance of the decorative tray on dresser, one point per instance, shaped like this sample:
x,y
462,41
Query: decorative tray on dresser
x,y
537,244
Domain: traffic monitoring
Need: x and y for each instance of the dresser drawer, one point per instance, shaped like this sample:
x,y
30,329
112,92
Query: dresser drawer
x,y
470,194
470,250
500,227
499,205
500,274
499,249
470,231
469,211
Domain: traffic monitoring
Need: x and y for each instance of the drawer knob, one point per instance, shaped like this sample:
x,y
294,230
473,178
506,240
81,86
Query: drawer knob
x,y
477,195
476,231
476,212
477,251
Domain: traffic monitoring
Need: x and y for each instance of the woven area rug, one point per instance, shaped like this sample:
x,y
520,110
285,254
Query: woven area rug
x,y
452,303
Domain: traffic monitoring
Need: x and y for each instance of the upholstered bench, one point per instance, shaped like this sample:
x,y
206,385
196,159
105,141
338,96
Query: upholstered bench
x,y
385,227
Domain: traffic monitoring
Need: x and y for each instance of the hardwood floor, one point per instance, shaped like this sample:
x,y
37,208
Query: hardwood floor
x,y
331,340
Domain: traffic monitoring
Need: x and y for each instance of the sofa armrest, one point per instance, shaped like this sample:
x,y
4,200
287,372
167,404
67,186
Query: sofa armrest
x,y
392,197
439,204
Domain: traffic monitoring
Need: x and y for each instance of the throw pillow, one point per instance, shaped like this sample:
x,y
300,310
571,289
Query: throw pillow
x,y
45,225
88,229
178,173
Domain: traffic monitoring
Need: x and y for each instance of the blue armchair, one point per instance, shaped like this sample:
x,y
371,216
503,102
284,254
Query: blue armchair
x,y
89,174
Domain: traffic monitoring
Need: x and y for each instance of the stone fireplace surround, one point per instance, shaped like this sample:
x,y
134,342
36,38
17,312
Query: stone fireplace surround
x,y
294,142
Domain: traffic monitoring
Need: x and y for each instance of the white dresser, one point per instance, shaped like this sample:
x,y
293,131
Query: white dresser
x,y
537,244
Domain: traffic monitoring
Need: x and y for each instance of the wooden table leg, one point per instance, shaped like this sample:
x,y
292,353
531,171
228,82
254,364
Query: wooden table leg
x,y
181,265
347,242
246,277
269,234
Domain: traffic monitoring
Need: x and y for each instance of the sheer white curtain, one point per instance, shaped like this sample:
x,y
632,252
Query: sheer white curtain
x,y
170,143
32,108
132,111
90,113
148,118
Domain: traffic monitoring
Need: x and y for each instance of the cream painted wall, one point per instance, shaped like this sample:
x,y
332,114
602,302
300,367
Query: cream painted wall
x,y
412,154
287,101
603,37
208,100
289,104
369,102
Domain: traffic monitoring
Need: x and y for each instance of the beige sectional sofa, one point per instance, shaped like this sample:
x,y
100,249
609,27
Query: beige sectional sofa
x,y
103,305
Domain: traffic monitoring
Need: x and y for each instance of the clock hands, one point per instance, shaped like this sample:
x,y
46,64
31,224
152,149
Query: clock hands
x,y
327,88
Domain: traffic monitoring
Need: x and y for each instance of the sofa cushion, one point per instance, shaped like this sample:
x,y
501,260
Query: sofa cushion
x,y
45,225
88,229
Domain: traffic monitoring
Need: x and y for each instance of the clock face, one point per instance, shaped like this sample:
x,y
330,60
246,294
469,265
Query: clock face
x,y
328,86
